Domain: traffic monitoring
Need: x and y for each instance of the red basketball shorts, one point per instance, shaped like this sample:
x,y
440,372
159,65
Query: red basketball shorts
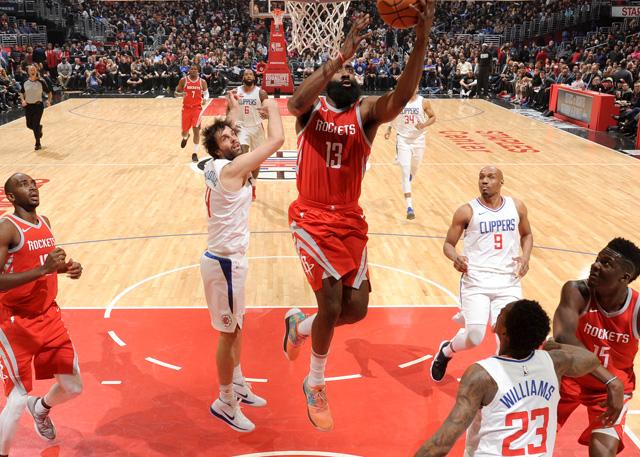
x,y
43,340
190,117
572,395
331,241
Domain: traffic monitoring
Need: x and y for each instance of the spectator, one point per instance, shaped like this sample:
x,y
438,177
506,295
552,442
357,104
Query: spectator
x,y
64,73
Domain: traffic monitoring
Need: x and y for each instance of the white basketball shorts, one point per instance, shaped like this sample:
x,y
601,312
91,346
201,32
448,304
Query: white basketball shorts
x,y
251,136
483,295
224,284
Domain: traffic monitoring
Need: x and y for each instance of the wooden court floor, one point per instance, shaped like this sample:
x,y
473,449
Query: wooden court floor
x,y
125,202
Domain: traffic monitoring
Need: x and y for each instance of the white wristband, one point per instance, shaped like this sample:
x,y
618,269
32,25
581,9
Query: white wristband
x,y
613,378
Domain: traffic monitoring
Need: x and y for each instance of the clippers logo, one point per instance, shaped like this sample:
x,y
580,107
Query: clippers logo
x,y
226,320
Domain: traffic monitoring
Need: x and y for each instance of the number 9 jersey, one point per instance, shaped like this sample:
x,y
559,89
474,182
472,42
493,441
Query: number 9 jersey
x,y
332,154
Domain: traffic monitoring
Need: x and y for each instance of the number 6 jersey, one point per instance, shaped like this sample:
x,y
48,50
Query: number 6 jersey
x,y
521,420
492,238
332,154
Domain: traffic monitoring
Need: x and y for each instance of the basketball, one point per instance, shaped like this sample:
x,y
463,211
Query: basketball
x,y
398,13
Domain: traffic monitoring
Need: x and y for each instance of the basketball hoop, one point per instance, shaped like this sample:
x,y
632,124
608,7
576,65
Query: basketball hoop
x,y
316,25
277,14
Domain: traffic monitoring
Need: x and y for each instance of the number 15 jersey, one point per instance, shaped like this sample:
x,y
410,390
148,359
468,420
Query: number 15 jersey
x,y
332,155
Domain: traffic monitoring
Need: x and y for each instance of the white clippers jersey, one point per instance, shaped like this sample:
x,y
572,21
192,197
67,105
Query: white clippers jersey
x,y
522,417
228,213
412,114
249,104
492,238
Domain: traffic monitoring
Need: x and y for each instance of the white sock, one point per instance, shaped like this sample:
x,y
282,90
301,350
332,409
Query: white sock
x,y
195,148
448,350
238,378
304,327
40,409
226,393
409,202
316,373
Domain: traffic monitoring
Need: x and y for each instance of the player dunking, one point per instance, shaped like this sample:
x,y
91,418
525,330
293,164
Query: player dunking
x,y
224,265
495,228
513,397
251,134
327,223
31,328
410,127
602,315
195,91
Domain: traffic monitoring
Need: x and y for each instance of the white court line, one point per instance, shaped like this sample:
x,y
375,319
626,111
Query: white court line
x,y
133,308
111,383
416,361
633,436
297,453
256,379
163,364
117,298
342,378
116,338
633,412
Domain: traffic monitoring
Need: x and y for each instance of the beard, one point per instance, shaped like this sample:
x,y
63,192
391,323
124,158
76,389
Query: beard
x,y
248,83
343,96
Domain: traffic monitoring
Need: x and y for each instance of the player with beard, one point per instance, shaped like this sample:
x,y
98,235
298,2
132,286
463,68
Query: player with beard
x,y
328,226
249,123
601,314
195,91
33,337
224,264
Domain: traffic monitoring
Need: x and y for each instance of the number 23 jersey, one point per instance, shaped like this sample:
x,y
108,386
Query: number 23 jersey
x,y
332,155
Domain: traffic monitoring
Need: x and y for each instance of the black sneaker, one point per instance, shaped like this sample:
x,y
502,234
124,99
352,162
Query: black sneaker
x,y
439,364
38,146
183,143
194,157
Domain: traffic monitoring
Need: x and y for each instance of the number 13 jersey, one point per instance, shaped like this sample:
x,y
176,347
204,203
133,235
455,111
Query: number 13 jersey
x,y
332,155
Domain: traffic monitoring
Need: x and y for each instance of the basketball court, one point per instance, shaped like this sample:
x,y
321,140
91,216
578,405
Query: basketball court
x,y
125,201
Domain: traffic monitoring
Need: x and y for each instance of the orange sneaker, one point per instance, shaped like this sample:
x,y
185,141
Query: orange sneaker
x,y
292,338
318,406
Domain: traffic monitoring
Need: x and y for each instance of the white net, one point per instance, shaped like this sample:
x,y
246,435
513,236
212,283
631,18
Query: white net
x,y
316,25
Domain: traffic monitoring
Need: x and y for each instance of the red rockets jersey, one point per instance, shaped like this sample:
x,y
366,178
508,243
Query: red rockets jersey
x,y
192,93
332,154
613,337
36,242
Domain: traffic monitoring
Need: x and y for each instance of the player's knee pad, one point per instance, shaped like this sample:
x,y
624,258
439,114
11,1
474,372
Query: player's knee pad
x,y
475,334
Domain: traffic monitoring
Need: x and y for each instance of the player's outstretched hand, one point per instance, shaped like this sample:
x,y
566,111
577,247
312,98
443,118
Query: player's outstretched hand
x,y
263,111
614,403
55,260
74,269
522,266
461,263
232,98
426,12
354,38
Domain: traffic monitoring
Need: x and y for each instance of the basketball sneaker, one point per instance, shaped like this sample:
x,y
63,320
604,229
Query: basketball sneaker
x,y
246,396
194,157
183,143
292,338
410,214
439,364
41,420
231,414
318,406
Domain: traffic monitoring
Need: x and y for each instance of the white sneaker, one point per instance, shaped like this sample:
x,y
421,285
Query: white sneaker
x,y
41,421
232,416
246,396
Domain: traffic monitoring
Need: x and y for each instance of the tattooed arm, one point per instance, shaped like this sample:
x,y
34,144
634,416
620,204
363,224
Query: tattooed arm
x,y
477,388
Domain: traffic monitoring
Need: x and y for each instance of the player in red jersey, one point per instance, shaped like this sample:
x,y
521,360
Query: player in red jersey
x,y
602,315
328,226
31,329
195,91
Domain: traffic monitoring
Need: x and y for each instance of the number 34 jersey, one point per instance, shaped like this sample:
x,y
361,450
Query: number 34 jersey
x,y
332,155
521,419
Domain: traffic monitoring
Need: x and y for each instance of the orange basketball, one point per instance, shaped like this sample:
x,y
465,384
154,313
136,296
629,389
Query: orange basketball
x,y
398,13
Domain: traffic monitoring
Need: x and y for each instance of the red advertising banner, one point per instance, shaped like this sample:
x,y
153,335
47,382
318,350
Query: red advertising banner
x,y
277,74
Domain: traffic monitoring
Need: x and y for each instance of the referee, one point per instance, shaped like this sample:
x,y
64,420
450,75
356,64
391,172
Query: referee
x,y
31,97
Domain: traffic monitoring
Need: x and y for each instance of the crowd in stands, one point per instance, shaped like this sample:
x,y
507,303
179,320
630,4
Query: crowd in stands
x,y
152,45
